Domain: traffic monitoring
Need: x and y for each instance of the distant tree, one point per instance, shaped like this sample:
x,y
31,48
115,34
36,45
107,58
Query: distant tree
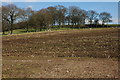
x,y
91,16
53,12
77,15
105,17
83,16
41,19
74,14
33,21
11,14
25,15
67,19
5,26
47,18
61,12
5,20
0,18
96,21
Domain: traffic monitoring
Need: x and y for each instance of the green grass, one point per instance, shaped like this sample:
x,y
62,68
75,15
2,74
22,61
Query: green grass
x,y
21,31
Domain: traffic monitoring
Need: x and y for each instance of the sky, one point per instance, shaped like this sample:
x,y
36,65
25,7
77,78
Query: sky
x,y
110,7
59,0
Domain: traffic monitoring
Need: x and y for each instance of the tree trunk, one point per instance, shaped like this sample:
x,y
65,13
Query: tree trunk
x,y
40,29
35,29
103,24
11,26
11,29
27,28
3,32
68,23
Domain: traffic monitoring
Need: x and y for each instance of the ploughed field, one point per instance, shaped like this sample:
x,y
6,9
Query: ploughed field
x,y
85,53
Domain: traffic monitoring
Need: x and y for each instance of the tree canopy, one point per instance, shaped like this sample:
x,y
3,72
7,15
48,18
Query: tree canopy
x,y
51,16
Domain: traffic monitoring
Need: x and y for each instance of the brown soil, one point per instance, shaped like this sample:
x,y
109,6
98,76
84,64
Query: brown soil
x,y
88,53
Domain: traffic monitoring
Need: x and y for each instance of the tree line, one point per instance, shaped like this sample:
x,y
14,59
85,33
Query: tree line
x,y
60,16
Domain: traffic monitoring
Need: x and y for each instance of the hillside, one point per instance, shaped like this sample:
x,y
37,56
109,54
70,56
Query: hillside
x,y
62,54
101,43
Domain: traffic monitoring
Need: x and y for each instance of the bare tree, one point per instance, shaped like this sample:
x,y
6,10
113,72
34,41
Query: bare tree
x,y
11,14
91,16
83,16
68,19
5,21
96,21
105,17
25,15
53,12
47,18
74,14
41,19
35,21
77,15
61,12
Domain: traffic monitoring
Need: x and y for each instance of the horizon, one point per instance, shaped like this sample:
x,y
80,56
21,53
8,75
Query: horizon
x,y
110,7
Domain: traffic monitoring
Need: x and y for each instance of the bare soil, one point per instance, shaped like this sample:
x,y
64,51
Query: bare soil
x,y
87,53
